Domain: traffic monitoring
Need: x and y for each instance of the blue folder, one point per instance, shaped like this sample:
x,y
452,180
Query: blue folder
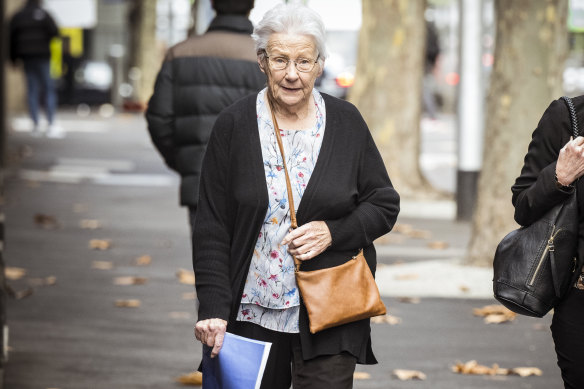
x,y
239,365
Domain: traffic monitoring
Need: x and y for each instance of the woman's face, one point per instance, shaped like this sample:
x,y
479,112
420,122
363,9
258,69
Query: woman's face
x,y
290,88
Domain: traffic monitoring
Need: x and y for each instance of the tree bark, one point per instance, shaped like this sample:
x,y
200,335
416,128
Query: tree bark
x,y
388,87
531,47
144,52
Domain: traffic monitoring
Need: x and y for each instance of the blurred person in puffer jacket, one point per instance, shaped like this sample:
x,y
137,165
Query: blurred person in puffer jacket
x,y
199,77
31,31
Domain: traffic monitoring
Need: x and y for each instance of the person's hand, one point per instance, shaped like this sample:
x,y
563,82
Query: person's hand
x,y
309,240
570,165
211,332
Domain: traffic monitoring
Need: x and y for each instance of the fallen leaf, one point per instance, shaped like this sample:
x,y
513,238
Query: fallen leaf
x,y
102,265
180,315
144,260
405,375
495,314
14,273
90,224
526,371
19,294
361,375
189,296
130,303
438,245
100,244
402,228
186,277
195,379
540,327
409,300
386,319
47,222
464,288
419,234
406,277
130,280
47,281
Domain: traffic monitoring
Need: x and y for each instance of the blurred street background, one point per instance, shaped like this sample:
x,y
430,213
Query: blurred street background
x,y
98,285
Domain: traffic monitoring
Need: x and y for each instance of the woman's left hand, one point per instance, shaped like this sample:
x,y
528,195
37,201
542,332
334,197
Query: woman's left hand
x,y
309,240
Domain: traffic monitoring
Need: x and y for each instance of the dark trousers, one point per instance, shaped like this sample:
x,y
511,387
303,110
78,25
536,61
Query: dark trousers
x,y
39,81
285,365
568,333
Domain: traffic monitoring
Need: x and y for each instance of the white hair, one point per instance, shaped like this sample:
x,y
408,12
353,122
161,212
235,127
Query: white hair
x,y
291,19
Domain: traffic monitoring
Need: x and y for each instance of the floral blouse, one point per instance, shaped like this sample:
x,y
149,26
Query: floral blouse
x,y
270,297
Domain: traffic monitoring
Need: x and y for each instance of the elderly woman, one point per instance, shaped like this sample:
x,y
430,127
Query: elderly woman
x,y
243,245
553,166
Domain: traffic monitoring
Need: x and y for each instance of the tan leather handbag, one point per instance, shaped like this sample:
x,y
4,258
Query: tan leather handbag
x,y
335,295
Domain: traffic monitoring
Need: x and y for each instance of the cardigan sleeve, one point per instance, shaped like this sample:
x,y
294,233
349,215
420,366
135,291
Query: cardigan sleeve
x,y
377,202
535,191
211,233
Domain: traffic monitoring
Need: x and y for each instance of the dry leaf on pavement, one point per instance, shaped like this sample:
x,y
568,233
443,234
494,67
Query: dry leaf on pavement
x,y
47,222
130,280
90,224
409,300
472,367
361,375
419,234
195,379
438,245
464,288
386,319
102,265
406,277
189,296
130,303
526,371
180,315
47,281
405,375
495,314
402,228
144,260
14,273
186,277
19,294
100,244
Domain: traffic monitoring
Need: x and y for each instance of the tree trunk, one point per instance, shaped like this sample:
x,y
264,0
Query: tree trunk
x,y
144,52
530,50
388,87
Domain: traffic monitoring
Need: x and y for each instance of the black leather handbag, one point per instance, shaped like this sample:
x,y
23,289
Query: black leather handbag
x,y
534,265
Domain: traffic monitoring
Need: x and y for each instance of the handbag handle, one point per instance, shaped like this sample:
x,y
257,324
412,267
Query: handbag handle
x,y
573,117
293,222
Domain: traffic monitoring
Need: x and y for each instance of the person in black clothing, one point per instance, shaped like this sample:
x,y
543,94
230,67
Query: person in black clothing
x,y
243,246
553,166
199,77
31,31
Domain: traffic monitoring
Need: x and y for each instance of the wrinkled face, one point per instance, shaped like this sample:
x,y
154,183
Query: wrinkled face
x,y
290,87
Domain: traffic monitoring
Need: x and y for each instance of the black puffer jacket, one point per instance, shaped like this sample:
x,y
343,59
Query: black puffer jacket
x,y
31,30
199,77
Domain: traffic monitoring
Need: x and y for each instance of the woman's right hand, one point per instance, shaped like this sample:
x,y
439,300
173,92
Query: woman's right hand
x,y
211,332
570,165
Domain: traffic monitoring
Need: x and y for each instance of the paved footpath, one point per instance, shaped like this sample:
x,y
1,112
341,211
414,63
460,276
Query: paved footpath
x,y
71,335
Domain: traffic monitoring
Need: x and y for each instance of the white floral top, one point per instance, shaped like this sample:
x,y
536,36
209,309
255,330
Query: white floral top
x,y
270,297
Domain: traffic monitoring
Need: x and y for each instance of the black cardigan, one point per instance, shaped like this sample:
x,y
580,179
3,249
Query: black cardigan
x,y
535,191
349,190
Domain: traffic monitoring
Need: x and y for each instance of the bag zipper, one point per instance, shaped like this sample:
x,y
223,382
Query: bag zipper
x,y
549,247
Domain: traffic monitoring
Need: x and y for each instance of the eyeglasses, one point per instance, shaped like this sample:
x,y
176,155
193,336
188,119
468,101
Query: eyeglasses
x,y
302,64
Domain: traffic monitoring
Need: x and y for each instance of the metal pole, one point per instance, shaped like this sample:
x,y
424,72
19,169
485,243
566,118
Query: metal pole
x,y
470,108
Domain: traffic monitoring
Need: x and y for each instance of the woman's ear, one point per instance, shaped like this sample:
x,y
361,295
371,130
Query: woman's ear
x,y
261,63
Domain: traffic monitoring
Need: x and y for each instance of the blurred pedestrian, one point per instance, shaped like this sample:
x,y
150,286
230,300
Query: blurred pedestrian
x,y
31,31
553,165
430,60
199,77
243,245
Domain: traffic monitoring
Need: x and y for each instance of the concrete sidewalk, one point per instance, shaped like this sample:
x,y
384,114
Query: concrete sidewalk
x,y
71,334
